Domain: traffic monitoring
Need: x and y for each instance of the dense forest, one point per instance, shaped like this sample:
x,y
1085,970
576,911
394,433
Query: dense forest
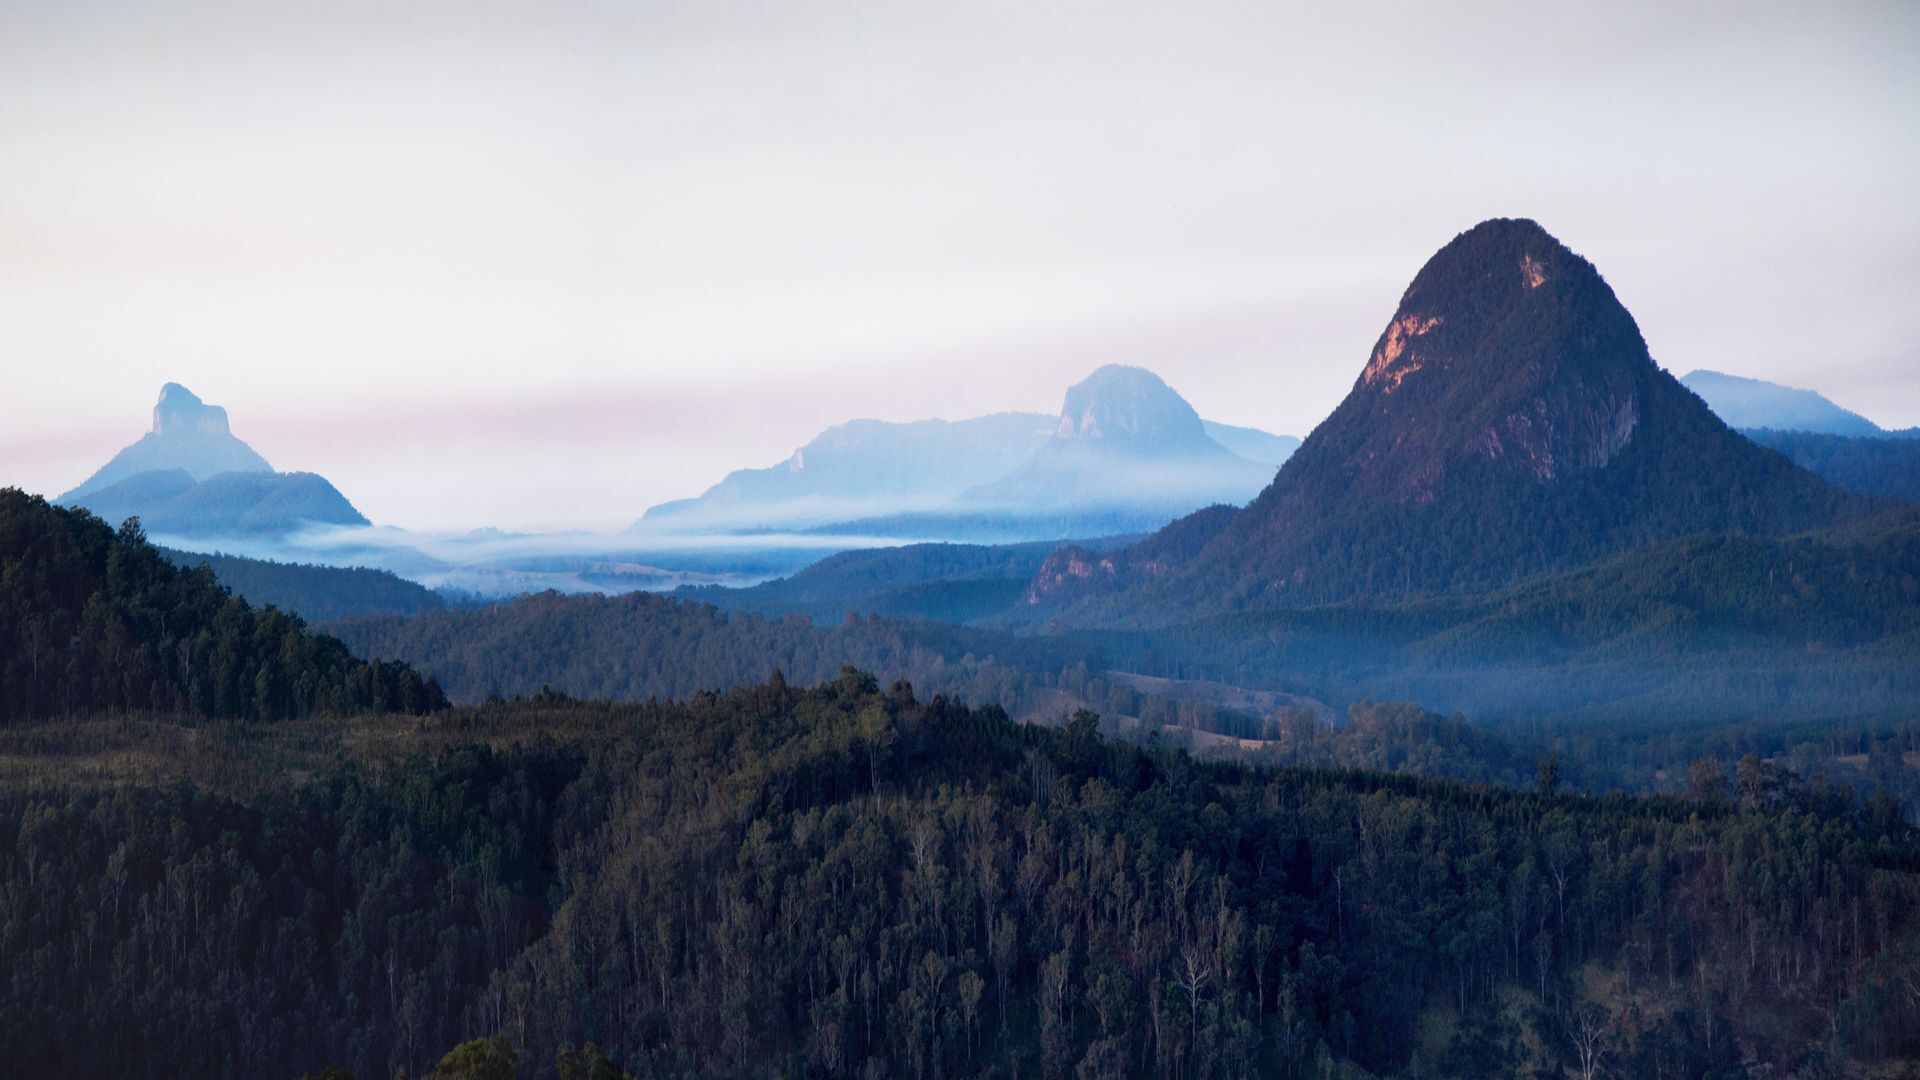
x,y
949,582
315,593
1873,466
1831,620
1630,670
641,646
94,619
851,880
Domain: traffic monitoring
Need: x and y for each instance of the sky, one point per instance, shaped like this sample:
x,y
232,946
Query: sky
x,y
543,265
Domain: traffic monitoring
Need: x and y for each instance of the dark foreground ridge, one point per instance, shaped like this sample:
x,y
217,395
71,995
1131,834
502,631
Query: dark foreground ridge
x,y
850,881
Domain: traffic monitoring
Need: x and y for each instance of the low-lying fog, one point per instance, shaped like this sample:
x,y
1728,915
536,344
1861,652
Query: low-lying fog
x,y
489,563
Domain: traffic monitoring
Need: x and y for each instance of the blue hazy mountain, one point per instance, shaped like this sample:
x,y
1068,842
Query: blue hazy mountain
x,y
1254,444
1839,445
862,468
169,502
1754,403
1126,441
1005,475
190,476
187,434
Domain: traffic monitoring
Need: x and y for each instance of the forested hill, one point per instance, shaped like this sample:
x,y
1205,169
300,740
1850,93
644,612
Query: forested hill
x,y
1509,422
949,582
1877,465
1712,630
850,881
95,620
641,646
315,593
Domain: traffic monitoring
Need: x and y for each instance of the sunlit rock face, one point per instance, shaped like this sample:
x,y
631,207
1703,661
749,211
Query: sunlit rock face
x,y
1506,348
1509,420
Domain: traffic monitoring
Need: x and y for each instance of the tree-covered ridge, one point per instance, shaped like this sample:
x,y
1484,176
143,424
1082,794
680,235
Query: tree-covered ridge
x,y
642,646
846,880
315,593
96,620
1832,589
1816,624
1876,465
1702,633
951,582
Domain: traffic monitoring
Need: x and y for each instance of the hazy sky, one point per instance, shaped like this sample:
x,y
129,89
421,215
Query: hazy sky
x,y
546,264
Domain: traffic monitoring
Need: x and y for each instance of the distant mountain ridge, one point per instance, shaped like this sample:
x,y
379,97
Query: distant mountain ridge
x,y
864,467
1125,453
169,503
1755,403
189,476
1254,444
1509,421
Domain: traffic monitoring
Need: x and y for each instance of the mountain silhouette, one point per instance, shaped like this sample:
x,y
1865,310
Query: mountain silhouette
x,y
188,476
187,434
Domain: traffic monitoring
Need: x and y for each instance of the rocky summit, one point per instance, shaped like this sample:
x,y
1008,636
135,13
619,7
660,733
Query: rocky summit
x,y
1126,438
1509,420
187,434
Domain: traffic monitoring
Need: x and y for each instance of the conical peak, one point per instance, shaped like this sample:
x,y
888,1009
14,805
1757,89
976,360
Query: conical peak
x,y
1496,261
1509,422
1507,297
1506,350
1127,403
180,410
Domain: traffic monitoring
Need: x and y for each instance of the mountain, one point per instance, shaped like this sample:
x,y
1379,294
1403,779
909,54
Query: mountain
x,y
1509,421
1125,440
863,468
1753,403
187,434
1125,455
1252,443
169,503
189,476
